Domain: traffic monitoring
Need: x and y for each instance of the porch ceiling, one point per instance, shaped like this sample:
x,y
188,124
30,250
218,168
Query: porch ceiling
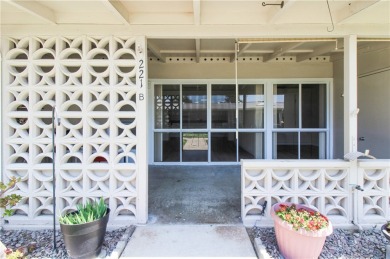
x,y
164,50
205,18
198,12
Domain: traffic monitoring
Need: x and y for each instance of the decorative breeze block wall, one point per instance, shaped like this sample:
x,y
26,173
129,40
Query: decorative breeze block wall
x,y
320,184
374,201
92,82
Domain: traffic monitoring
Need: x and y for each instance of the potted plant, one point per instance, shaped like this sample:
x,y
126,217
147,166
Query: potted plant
x,y
84,229
300,231
386,230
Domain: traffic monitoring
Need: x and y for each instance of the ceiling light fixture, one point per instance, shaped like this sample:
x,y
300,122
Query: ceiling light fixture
x,y
281,4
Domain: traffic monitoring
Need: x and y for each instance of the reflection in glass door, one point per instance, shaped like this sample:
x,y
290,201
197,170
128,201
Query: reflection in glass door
x,y
194,106
195,146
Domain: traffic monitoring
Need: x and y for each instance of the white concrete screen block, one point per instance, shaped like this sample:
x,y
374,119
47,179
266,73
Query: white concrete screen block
x,y
92,82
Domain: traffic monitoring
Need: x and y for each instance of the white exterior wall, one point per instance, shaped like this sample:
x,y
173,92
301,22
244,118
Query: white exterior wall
x,y
373,102
98,86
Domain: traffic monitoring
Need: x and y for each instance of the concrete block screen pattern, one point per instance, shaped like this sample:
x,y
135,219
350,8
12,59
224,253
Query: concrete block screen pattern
x,y
92,82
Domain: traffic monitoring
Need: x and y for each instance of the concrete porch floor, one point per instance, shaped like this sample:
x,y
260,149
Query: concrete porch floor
x,y
201,194
194,211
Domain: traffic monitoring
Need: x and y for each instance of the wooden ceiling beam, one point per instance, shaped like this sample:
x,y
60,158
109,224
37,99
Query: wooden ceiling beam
x,y
196,7
279,52
323,49
118,9
353,8
36,9
197,50
156,51
279,12
242,48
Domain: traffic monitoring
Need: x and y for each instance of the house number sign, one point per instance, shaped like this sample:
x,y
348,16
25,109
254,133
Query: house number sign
x,y
141,77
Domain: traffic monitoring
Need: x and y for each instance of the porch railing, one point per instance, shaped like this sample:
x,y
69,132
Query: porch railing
x,y
347,192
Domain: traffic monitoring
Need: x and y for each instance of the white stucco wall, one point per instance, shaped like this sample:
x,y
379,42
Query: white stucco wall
x,y
373,102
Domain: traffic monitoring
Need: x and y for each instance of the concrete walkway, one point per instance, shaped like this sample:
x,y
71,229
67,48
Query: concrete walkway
x,y
189,241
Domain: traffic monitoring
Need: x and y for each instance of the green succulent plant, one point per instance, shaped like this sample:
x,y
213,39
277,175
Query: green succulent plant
x,y
85,213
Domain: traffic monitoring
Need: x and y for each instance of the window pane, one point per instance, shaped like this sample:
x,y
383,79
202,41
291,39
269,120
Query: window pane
x,y
251,106
223,106
167,147
250,145
285,145
223,146
194,106
313,145
286,106
195,147
314,106
167,107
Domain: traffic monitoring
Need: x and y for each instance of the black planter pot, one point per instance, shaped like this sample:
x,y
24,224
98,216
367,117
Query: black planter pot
x,y
385,232
85,240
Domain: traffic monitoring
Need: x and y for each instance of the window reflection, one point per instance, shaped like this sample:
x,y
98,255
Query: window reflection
x,y
286,106
251,106
223,106
195,146
194,106
167,107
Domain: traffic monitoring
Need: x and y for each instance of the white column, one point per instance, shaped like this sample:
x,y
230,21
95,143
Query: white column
x,y
2,74
350,94
142,131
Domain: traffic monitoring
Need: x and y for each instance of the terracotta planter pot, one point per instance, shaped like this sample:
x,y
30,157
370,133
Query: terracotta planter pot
x,y
385,232
301,243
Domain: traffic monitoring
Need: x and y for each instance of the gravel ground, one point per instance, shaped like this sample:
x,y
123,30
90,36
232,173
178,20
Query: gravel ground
x,y
44,239
341,244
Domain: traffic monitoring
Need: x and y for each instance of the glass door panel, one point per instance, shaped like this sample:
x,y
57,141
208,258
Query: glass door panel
x,y
167,107
251,106
166,147
286,106
250,145
194,106
314,106
195,146
223,106
285,145
313,145
223,147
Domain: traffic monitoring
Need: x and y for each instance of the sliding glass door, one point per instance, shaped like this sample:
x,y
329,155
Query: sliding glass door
x,y
226,123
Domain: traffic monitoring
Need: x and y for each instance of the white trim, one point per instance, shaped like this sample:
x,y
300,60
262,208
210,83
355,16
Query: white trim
x,y
3,76
350,94
329,121
142,126
268,124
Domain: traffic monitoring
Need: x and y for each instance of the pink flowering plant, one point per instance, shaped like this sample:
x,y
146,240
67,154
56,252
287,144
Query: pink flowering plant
x,y
302,218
